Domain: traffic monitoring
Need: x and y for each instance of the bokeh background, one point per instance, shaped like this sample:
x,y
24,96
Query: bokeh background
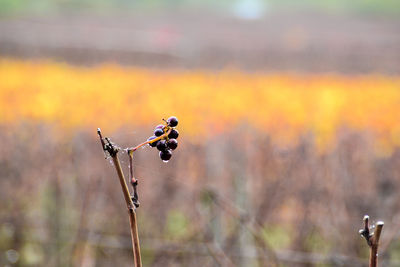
x,y
289,131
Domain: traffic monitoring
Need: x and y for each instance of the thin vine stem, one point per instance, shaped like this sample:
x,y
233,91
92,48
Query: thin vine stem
x,y
133,149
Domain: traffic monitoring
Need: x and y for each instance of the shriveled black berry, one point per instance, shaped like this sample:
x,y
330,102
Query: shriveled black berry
x,y
154,143
158,132
173,134
165,155
160,126
172,121
162,145
172,144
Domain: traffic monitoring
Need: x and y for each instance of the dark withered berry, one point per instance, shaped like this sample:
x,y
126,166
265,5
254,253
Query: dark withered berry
x,y
162,145
152,138
165,155
173,134
158,132
172,144
160,126
172,121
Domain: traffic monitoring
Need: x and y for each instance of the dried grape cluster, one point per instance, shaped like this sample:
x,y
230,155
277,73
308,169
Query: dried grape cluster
x,y
164,142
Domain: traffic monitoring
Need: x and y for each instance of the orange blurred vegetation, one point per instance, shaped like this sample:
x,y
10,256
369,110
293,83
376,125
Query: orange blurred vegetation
x,y
286,106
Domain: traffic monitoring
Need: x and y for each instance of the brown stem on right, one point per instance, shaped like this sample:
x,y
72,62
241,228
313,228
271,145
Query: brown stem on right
x,y
372,240
133,180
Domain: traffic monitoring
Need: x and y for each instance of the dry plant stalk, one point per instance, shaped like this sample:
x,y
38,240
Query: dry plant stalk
x,y
164,139
113,151
372,240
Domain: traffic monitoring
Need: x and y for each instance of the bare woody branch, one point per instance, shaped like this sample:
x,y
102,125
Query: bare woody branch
x,y
112,150
372,239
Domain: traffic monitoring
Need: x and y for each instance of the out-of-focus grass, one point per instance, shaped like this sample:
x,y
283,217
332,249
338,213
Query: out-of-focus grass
x,y
358,6
279,237
286,106
100,6
177,224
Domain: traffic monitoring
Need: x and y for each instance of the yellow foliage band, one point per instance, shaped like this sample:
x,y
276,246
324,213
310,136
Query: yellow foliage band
x,y
285,106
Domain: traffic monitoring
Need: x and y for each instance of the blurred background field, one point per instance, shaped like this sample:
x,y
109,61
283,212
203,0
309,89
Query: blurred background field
x,y
289,131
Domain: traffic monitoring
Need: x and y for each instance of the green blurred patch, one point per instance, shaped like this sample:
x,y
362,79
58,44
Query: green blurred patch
x,y
394,251
344,6
278,237
103,6
147,256
6,235
316,242
362,250
176,225
207,197
32,254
